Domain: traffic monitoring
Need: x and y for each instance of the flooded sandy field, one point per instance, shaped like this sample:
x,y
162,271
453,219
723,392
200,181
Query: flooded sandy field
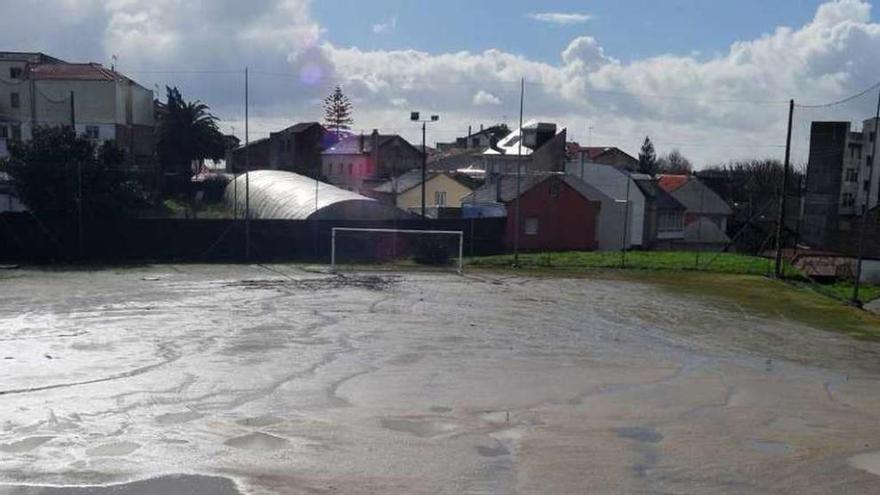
x,y
276,380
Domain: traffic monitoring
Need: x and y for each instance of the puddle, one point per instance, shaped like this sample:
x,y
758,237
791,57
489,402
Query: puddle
x,y
369,282
496,451
190,484
406,359
419,428
869,462
257,441
113,449
639,434
769,447
260,421
24,445
177,418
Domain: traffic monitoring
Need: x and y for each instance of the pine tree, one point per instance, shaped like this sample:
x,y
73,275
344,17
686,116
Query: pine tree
x,y
647,158
337,111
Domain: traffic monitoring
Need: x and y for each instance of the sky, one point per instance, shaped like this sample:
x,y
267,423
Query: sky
x,y
710,78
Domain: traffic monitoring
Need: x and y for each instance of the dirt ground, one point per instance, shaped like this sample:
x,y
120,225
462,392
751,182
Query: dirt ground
x,y
278,379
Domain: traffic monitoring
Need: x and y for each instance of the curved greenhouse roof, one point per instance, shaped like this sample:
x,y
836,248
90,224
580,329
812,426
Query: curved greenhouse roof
x,y
280,195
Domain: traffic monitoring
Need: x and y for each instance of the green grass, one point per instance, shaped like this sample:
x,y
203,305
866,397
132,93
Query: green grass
x,y
769,298
843,290
641,260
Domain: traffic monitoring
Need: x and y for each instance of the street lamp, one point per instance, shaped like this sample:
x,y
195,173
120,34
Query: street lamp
x,y
414,117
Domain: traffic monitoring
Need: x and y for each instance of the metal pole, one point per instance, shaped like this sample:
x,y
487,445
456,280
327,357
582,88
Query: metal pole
x,y
522,90
461,252
780,224
424,167
699,225
247,178
866,205
333,249
625,224
80,238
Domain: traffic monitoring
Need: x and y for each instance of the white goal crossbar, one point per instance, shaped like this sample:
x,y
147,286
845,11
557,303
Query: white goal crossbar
x,y
459,233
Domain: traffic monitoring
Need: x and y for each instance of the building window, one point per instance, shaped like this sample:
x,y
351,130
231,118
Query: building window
x,y
531,226
350,169
852,175
16,132
4,132
93,132
554,190
475,142
867,185
669,221
15,72
14,100
848,200
440,198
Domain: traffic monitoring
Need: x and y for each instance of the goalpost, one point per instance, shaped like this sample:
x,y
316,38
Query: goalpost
x,y
396,249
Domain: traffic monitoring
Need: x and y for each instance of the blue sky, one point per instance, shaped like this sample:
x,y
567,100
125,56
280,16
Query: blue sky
x,y
628,29
723,60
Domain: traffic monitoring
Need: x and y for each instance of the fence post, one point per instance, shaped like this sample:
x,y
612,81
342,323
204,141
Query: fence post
x,y
333,249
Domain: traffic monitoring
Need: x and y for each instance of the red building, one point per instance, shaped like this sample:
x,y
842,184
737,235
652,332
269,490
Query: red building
x,y
555,211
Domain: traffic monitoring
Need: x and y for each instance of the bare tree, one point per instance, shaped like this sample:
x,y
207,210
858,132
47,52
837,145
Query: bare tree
x,y
674,163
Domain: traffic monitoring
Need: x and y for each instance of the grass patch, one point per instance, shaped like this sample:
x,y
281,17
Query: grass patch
x,y
642,260
843,290
771,298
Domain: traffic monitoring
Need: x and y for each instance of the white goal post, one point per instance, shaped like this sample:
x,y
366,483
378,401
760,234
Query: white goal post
x,y
458,233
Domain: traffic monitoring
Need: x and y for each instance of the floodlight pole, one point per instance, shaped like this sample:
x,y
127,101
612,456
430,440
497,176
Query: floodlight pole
x,y
516,229
866,207
247,179
414,116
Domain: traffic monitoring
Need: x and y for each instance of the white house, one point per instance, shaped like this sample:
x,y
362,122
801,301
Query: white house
x,y
629,201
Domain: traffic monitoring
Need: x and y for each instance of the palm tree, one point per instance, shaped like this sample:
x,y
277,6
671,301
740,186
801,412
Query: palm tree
x,y
187,132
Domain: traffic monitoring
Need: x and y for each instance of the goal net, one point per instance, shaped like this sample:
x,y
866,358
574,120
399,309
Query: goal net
x,y
400,247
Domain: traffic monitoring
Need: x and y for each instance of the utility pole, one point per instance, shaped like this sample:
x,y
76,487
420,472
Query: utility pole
x,y
424,168
517,227
79,182
415,117
625,222
866,205
247,170
780,224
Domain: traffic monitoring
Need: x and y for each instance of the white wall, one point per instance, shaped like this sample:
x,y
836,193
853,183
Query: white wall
x,y
613,182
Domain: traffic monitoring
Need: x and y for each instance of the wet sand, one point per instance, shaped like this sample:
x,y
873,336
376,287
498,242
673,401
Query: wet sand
x,y
276,379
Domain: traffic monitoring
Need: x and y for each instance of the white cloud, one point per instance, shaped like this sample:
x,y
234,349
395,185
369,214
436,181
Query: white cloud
x,y
386,26
485,98
560,18
697,105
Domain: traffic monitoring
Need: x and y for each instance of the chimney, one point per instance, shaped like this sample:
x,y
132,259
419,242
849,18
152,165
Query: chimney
x,y
467,143
361,143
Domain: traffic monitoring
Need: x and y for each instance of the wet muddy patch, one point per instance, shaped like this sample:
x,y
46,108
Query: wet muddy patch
x,y
422,428
24,445
368,282
257,441
189,484
869,461
113,449
639,434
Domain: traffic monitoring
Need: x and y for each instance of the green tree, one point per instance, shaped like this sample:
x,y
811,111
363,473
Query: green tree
x,y
186,132
55,165
647,158
337,111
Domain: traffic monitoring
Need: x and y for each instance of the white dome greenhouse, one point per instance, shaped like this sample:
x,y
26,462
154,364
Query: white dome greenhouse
x,y
280,195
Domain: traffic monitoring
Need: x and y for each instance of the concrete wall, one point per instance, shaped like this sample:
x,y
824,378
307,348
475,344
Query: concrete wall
x,y
824,172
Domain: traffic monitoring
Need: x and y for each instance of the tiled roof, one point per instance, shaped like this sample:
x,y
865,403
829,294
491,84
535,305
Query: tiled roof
x,y
81,72
662,199
670,183
504,188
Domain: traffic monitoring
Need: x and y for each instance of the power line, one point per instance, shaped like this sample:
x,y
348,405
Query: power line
x,y
844,100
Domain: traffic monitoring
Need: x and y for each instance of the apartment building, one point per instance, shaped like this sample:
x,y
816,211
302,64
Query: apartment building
x,y
39,90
